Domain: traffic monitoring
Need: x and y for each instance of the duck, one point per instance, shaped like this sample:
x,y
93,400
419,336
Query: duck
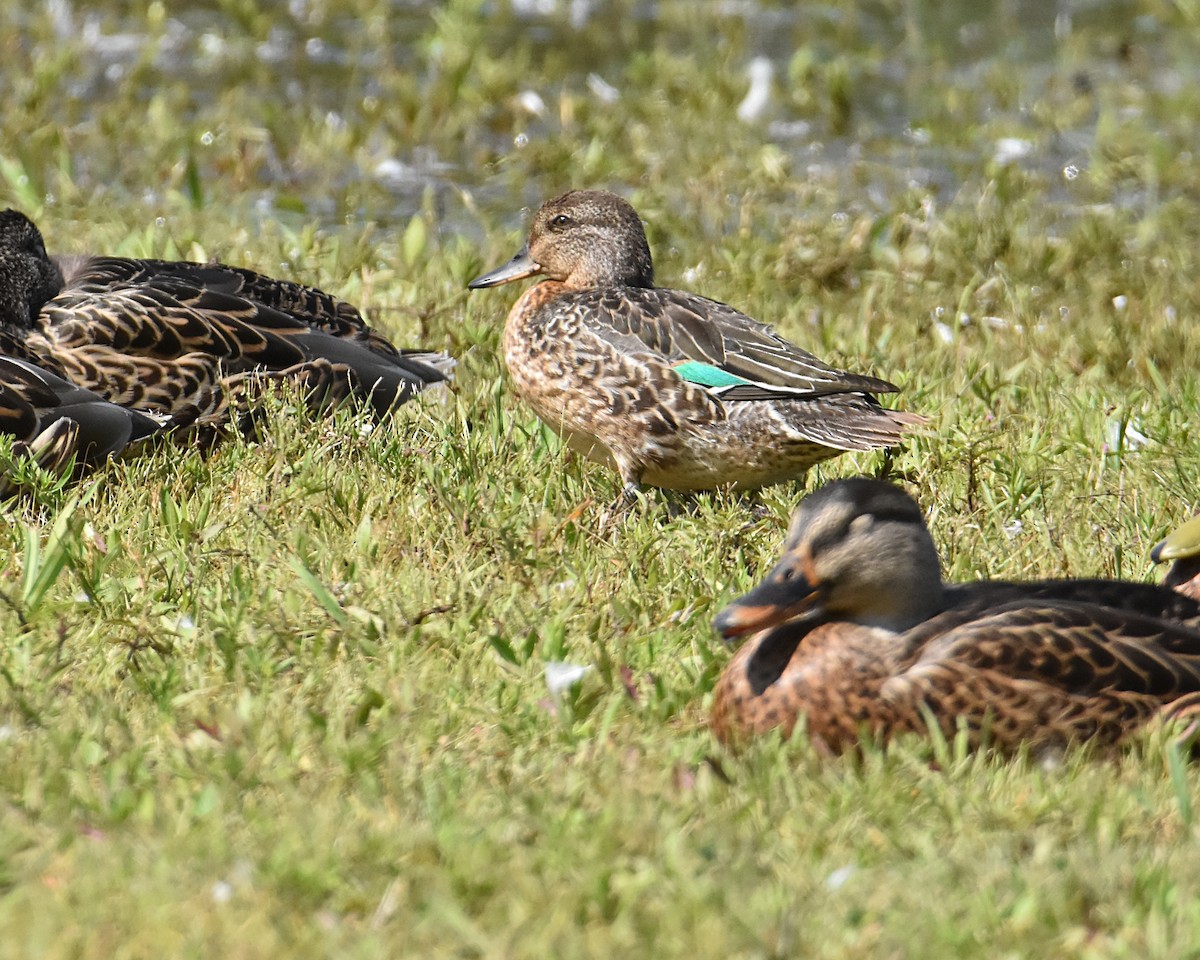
x,y
192,345
854,632
670,388
61,427
1183,547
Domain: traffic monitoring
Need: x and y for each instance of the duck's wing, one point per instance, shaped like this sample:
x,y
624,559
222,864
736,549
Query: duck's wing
x,y
316,308
33,401
1080,649
967,600
712,344
334,316
166,311
179,389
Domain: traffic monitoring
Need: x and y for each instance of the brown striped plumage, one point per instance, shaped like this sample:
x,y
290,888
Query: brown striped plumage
x,y
59,425
855,632
603,357
188,343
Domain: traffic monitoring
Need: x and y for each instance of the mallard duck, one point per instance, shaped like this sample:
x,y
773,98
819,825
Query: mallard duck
x,y
855,631
190,342
1182,546
675,390
61,426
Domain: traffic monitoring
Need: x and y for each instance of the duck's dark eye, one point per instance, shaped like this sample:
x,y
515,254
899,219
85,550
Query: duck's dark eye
x,y
562,220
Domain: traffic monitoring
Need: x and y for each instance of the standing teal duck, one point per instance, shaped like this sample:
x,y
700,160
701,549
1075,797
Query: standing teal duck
x,y
675,390
190,344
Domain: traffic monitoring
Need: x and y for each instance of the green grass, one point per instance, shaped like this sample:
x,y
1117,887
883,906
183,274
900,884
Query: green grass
x,y
289,699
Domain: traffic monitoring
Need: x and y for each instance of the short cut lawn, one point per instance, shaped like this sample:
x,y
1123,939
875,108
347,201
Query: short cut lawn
x,y
292,698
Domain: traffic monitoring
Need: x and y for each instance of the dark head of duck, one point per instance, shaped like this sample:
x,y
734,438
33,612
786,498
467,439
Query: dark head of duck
x,y
28,277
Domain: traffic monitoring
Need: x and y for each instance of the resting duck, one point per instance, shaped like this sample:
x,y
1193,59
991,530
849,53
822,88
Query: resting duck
x,y
675,390
189,343
854,630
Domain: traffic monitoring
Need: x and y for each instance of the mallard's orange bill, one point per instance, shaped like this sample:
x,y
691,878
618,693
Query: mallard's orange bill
x,y
773,601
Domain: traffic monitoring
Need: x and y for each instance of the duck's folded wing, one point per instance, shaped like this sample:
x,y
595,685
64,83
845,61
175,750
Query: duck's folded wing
x,y
1079,648
313,306
32,400
189,282
166,318
715,345
967,600
18,414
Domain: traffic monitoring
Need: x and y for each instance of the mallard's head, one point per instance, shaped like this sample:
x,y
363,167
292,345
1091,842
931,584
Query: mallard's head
x,y
857,550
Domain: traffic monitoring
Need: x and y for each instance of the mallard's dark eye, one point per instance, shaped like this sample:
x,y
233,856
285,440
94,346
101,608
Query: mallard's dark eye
x,y
562,220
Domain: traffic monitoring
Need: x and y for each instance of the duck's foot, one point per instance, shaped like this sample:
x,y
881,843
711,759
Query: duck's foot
x,y
631,498
756,508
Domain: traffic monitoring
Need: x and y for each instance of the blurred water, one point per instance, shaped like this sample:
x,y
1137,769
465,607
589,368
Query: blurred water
x,y
319,60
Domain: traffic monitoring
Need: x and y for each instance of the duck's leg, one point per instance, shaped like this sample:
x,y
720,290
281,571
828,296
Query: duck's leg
x,y
631,478
631,493
629,497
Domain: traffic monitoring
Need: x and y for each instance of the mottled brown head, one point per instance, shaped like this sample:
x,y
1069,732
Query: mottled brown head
x,y
27,276
585,239
857,550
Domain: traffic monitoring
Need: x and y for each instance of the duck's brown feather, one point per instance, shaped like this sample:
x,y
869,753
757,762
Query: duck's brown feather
x,y
193,343
856,634
673,389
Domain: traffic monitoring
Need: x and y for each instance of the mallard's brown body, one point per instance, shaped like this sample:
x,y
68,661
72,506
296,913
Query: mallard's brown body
x,y
1049,662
